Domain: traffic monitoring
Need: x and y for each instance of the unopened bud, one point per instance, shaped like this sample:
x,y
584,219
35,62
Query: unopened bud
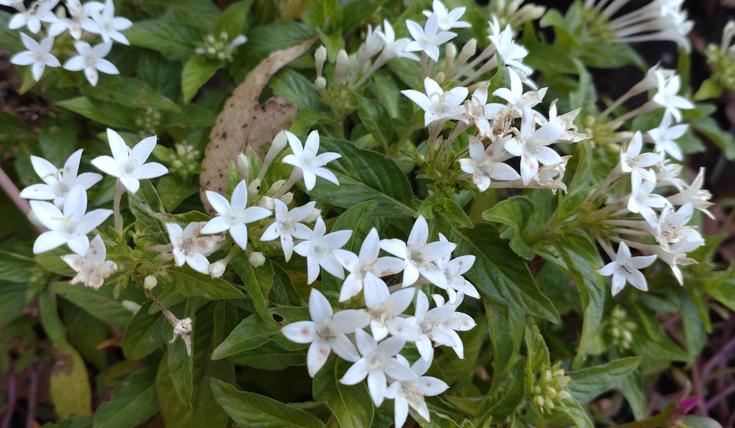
x,y
266,202
320,83
468,50
243,166
320,57
130,305
341,67
373,43
256,258
276,187
150,282
217,269
315,214
451,51
254,188
287,198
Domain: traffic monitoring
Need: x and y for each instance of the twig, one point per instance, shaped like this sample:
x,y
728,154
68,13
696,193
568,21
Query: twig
x,y
13,193
12,401
723,353
33,395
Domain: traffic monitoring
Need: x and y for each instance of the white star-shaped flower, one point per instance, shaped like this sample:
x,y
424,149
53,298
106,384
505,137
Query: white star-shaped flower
x,y
385,310
190,248
319,250
447,19
480,113
440,325
233,215
625,269
91,60
392,47
667,95
69,226
105,23
419,257
58,181
428,38
510,52
129,165
635,163
288,226
308,161
411,393
665,136
376,364
93,267
484,164
642,201
438,104
453,269
38,55
517,100
695,195
326,332
532,145
40,11
73,23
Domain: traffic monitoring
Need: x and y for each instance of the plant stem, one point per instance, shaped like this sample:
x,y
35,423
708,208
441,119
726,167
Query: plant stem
x,y
119,189
13,193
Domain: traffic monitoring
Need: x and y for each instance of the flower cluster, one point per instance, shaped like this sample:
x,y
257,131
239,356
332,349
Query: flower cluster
x,y
49,19
549,388
220,47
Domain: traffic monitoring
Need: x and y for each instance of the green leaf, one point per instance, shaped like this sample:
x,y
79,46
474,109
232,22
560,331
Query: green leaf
x,y
69,385
255,410
364,176
538,353
355,13
195,284
264,40
196,72
258,283
103,113
98,303
375,118
50,320
590,382
693,421
15,267
12,302
360,219
9,39
296,89
234,19
174,40
506,325
350,404
145,333
13,128
499,274
251,333
181,367
709,89
132,403
514,213
129,93
323,13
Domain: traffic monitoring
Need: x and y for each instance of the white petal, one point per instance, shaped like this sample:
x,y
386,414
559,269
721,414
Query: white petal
x,y
317,356
300,332
319,307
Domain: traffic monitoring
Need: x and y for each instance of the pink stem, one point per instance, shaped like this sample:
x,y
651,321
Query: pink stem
x,y
13,193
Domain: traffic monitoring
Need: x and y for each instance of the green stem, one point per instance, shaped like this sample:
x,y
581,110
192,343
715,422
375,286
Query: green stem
x,y
119,190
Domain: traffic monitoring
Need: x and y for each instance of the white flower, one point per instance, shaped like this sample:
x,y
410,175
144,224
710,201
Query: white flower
x,y
625,269
453,271
69,226
385,311
483,165
190,248
480,113
326,332
306,159
665,136
73,24
532,145
447,19
392,47
182,328
565,121
642,201
666,95
93,267
58,181
552,176
319,250
516,98
437,104
38,55
32,17
428,38
669,174
440,325
634,162
288,226
695,195
377,363
509,51
129,165
412,392
233,215
672,229
419,257
366,269
105,23
91,60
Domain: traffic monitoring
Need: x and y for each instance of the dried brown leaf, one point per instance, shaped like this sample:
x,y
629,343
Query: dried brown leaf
x,y
243,121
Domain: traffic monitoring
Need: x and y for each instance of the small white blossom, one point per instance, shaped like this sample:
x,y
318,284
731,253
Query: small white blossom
x,y
419,256
91,60
428,38
447,19
635,163
642,201
58,181
93,267
190,248
69,226
73,23
453,269
510,52
412,392
233,215
319,250
695,194
366,269
129,165
518,100
532,145
308,161
182,329
667,95
326,332
436,103
626,269
105,23
665,136
440,325
484,164
480,113
385,310
38,55
32,17
377,363
288,226
392,47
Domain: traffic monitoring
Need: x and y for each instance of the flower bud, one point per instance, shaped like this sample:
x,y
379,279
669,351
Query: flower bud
x,y
253,188
217,269
243,166
130,305
468,50
451,51
320,57
256,258
315,214
320,83
277,145
150,282
276,187
373,43
341,67
266,202
287,198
